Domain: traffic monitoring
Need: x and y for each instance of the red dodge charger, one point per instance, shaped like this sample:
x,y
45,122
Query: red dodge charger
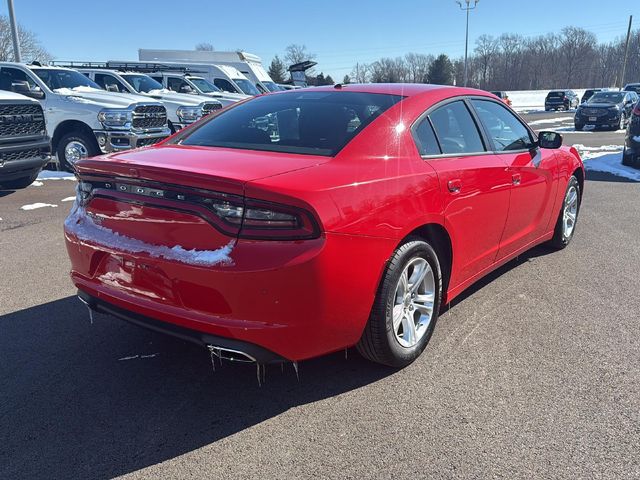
x,y
308,221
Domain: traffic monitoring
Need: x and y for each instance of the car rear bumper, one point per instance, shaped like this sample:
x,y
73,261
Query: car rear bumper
x,y
281,300
12,166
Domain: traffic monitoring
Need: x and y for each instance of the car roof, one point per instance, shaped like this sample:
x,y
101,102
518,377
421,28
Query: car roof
x,y
403,89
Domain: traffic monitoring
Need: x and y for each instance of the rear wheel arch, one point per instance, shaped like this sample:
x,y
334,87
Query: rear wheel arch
x,y
579,174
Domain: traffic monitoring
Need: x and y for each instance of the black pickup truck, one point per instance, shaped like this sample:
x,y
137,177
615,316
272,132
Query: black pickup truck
x,y
24,144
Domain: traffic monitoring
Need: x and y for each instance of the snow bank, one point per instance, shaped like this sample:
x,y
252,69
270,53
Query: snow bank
x,y
532,100
552,120
81,225
33,206
608,159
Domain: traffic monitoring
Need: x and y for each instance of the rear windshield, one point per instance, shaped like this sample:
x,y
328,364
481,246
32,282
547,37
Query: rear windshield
x,y
555,95
312,123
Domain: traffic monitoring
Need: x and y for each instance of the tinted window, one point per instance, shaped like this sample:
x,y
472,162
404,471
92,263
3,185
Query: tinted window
x,y
178,85
142,83
456,130
502,126
555,95
607,97
9,76
426,139
225,85
318,123
110,83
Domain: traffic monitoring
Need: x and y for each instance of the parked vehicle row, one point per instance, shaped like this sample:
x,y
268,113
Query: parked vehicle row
x,y
561,100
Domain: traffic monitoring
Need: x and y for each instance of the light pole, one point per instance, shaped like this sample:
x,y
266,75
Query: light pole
x,y
466,7
14,32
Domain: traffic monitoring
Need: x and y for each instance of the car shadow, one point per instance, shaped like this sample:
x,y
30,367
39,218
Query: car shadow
x,y
98,400
539,251
595,176
4,192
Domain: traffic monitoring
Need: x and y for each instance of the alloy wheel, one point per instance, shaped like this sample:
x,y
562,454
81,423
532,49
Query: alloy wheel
x,y
413,302
570,212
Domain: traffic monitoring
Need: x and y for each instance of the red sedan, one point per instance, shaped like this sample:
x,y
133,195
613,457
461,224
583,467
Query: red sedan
x,y
308,221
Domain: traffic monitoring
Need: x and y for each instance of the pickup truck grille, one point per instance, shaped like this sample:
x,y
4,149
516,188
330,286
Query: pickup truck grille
x,y
149,116
17,120
210,107
21,154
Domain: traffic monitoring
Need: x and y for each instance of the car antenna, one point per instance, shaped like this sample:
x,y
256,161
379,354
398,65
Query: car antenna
x,y
338,86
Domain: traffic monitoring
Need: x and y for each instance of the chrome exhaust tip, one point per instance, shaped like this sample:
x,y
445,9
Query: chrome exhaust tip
x,y
231,355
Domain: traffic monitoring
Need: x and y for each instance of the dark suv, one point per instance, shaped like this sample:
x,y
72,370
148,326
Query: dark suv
x,y
632,87
631,153
606,109
24,144
561,99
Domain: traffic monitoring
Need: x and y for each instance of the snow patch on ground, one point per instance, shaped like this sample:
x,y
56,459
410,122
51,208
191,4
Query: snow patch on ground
x,y
37,184
551,120
81,225
33,206
608,159
51,175
68,199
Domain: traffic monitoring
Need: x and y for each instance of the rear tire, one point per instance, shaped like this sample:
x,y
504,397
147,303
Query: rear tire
x,y
568,216
406,307
579,127
75,146
19,183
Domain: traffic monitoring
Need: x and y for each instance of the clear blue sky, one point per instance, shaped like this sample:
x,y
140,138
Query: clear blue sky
x,y
341,33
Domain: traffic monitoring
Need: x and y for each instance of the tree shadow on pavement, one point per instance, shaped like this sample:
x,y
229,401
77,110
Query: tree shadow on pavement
x,y
82,400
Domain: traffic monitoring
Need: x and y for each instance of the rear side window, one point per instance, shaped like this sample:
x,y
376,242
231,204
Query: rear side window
x,y
456,130
502,126
555,95
315,123
426,139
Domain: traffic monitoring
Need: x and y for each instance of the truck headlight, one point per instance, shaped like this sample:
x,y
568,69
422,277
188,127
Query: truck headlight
x,y
189,114
115,118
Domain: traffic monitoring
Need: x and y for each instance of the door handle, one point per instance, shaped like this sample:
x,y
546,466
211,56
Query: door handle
x,y
454,186
516,179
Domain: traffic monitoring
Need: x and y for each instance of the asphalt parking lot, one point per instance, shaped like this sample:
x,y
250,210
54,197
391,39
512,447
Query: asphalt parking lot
x,y
533,373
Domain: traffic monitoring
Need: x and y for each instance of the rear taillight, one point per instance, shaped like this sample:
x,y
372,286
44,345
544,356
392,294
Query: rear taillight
x,y
230,214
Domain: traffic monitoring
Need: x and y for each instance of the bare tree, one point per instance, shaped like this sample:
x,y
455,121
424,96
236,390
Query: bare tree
x,y
361,73
30,47
485,51
577,49
205,47
417,66
295,53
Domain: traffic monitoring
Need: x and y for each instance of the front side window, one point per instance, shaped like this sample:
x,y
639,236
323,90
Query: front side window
x,y
110,83
503,127
314,123
225,85
176,84
142,83
10,76
456,130
246,86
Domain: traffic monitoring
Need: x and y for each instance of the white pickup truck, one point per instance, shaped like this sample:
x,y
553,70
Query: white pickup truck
x,y
82,119
24,144
195,85
182,109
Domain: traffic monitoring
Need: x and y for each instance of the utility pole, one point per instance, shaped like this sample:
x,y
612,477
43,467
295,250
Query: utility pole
x,y
626,52
14,32
466,39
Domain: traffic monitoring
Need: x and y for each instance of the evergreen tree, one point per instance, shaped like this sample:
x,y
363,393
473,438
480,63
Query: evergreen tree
x,y
441,71
346,80
328,80
277,70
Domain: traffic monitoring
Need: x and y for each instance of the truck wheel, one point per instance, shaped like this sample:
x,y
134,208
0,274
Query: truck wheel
x,y
75,146
406,307
18,183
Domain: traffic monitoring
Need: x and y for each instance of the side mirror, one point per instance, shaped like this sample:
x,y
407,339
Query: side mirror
x,y
22,87
550,140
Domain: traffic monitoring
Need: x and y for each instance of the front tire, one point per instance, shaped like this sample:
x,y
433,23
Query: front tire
x,y
406,307
75,146
568,217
